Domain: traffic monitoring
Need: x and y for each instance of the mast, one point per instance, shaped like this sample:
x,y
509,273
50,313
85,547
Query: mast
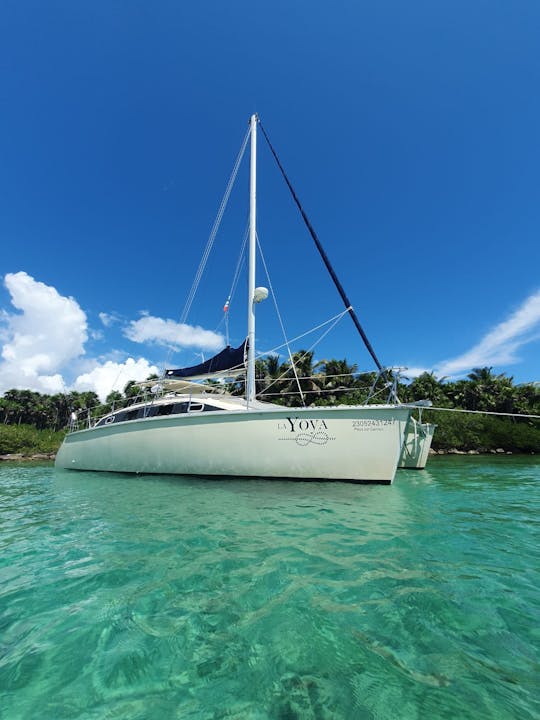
x,y
250,378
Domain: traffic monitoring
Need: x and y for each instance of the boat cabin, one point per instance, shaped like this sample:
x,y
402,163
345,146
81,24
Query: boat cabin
x,y
177,405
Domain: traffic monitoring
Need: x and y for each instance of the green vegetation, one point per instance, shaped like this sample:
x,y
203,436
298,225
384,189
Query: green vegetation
x,y
484,432
28,440
34,423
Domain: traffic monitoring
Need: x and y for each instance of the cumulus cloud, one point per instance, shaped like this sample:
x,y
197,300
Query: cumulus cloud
x,y
500,345
48,332
43,337
109,376
169,332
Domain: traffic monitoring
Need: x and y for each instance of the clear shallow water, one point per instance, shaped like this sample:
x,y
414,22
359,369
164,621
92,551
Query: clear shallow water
x,y
159,597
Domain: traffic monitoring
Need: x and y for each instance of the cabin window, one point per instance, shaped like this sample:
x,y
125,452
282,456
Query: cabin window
x,y
164,410
209,408
168,409
177,408
119,417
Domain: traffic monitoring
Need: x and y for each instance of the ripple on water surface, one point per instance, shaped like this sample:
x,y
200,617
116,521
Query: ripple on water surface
x,y
126,597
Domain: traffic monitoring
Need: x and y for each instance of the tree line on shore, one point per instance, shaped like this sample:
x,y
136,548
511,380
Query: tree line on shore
x,y
331,382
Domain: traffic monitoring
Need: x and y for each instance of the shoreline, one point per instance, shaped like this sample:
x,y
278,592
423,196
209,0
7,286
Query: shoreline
x,y
481,453
15,457
33,457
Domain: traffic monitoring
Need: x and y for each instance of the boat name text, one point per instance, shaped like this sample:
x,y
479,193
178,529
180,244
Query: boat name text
x,y
303,425
305,431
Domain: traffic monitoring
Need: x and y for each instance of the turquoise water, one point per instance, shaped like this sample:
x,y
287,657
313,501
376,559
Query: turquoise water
x,y
159,597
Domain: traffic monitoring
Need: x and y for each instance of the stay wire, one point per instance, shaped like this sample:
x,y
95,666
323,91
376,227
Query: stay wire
x,y
234,284
306,353
324,256
305,334
210,242
214,230
280,321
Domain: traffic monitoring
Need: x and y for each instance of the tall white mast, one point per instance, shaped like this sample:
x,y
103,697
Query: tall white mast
x,y
250,379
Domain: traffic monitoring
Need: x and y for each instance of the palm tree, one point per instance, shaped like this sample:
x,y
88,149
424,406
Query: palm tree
x,y
113,401
268,372
428,386
302,375
131,392
483,389
338,379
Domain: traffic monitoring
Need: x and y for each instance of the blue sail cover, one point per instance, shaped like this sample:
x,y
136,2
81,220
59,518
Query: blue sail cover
x,y
228,359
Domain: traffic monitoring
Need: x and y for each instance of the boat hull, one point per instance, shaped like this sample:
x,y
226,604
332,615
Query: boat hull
x,y
354,443
415,451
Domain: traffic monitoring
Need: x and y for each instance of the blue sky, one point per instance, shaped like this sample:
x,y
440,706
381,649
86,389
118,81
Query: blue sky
x,y
411,134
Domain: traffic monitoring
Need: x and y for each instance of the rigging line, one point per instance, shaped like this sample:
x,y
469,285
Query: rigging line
x,y
481,412
239,263
209,244
377,392
236,276
320,391
280,320
306,353
214,230
318,376
324,257
308,332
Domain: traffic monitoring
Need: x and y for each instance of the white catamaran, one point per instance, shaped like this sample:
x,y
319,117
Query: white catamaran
x,y
188,429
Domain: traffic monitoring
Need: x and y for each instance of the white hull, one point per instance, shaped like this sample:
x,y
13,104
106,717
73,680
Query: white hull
x,y
415,452
361,443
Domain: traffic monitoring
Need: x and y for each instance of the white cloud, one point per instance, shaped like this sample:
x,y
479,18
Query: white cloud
x,y
49,331
43,336
109,376
169,332
500,345
108,319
